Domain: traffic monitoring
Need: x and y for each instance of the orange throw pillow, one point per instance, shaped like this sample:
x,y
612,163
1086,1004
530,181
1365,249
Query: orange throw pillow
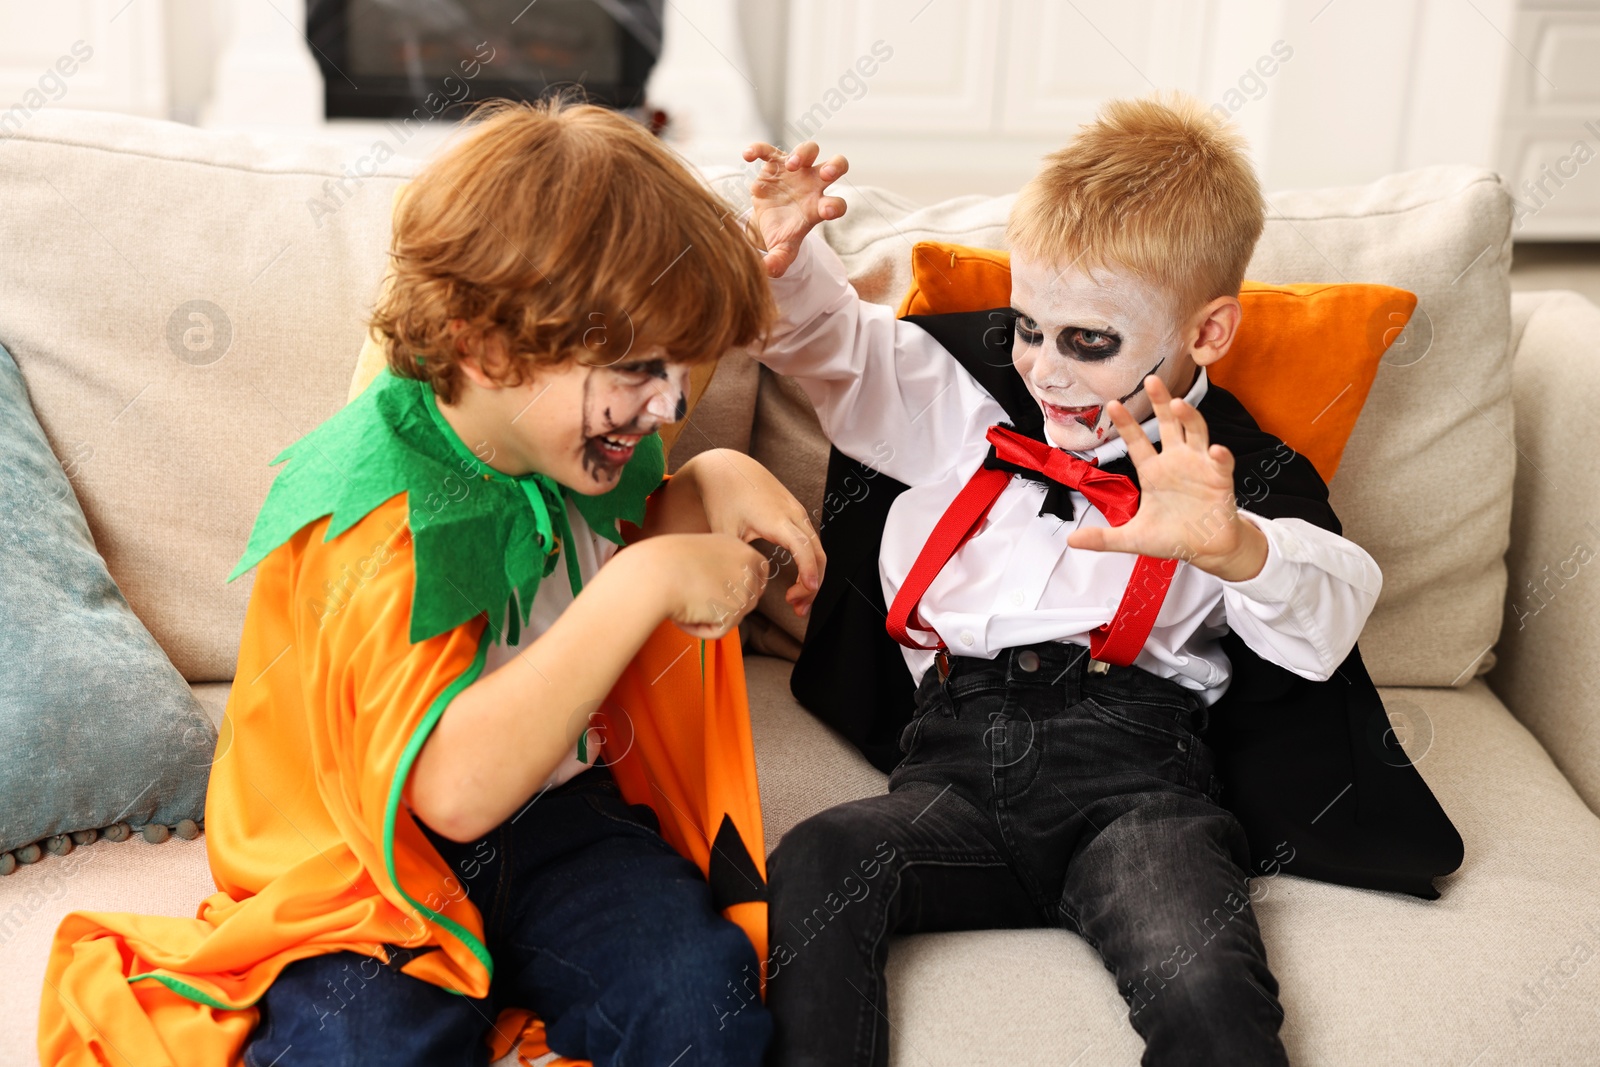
x,y
1302,363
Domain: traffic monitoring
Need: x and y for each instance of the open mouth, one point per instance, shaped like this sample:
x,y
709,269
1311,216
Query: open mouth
x,y
1087,415
615,449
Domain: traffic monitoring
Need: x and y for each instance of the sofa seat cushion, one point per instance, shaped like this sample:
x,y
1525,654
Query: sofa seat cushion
x,y
166,879
1505,966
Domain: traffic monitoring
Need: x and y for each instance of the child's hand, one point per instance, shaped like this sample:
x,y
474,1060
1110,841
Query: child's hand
x,y
788,198
745,500
1186,504
708,581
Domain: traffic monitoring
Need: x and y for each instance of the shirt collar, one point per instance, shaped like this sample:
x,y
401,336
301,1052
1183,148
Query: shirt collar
x,y
1117,447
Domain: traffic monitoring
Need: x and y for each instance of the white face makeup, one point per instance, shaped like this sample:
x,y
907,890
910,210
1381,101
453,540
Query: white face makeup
x,y
1084,339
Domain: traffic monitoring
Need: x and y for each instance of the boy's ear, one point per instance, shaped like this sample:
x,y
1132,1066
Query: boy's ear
x,y
1214,328
482,357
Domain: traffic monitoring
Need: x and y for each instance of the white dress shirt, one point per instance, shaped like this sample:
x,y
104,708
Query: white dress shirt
x,y
891,397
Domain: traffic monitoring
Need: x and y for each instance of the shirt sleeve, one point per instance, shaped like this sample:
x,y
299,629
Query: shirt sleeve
x,y
1307,607
887,394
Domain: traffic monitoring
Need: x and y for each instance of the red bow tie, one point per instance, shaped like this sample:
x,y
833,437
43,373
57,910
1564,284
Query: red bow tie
x,y
1114,494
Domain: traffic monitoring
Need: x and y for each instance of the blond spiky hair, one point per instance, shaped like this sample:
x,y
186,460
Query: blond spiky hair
x,y
1160,186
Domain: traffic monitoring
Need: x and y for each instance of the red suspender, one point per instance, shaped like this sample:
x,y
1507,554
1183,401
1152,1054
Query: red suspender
x,y
955,527
1118,641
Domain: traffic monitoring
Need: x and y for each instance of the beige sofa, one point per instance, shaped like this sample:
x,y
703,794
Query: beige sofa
x,y
1472,473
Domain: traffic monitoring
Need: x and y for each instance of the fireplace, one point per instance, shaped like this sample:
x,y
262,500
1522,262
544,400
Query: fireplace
x,y
394,58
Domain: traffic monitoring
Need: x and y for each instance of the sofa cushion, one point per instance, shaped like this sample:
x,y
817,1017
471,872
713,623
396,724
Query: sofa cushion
x,y
1425,484
170,879
1425,481
183,304
1504,966
97,726
1552,620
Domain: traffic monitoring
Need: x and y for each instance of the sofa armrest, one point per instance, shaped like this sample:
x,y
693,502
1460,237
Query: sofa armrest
x,y
1549,650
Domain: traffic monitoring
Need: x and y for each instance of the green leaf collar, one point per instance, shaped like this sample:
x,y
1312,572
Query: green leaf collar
x,y
482,539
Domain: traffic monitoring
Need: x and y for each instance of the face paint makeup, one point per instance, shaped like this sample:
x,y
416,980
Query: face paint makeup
x,y
1084,338
578,423
623,403
1136,390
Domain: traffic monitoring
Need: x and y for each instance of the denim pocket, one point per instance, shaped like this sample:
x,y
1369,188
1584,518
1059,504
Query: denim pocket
x,y
979,701
1150,720
1158,737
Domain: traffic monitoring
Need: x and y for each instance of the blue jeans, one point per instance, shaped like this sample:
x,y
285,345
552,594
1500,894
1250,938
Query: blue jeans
x,y
593,921
1032,793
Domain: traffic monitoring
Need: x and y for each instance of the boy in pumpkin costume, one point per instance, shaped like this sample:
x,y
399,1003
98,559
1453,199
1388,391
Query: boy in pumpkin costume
x,y
473,762
1074,604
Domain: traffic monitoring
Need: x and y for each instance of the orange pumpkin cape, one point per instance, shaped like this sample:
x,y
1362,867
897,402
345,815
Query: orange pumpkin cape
x,y
389,556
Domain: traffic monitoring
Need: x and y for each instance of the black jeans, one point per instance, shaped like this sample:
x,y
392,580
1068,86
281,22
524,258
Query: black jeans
x,y
1032,793
593,920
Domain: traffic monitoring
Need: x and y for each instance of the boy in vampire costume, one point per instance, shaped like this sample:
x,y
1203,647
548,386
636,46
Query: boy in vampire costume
x,y
1126,693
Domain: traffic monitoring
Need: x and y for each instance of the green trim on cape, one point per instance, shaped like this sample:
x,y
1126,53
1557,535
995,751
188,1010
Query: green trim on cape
x,y
397,785
482,539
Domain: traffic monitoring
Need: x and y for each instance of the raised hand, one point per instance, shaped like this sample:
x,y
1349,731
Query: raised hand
x,y
1186,496
788,198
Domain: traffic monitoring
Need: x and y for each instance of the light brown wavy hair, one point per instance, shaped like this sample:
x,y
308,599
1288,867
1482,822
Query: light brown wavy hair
x,y
568,232
1158,185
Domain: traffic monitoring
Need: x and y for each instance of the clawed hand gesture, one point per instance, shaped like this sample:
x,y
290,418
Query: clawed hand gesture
x,y
788,199
1186,496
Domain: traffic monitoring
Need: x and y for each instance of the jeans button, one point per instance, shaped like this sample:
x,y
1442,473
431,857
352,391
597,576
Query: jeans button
x,y
1028,660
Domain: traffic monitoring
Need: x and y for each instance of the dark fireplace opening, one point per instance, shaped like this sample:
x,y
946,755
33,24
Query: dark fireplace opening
x,y
385,59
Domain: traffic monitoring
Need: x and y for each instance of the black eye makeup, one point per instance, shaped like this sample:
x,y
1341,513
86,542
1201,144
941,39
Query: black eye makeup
x,y
1088,345
1027,330
654,368
1074,342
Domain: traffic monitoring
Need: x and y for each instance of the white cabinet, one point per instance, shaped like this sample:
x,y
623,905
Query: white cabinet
x,y
973,92
910,90
1063,60
935,97
931,94
107,55
867,67
1550,134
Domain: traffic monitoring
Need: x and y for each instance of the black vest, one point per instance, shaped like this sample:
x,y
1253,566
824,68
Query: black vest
x,y
1311,769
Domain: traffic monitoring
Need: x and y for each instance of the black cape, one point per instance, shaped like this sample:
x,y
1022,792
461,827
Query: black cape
x,y
1312,770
